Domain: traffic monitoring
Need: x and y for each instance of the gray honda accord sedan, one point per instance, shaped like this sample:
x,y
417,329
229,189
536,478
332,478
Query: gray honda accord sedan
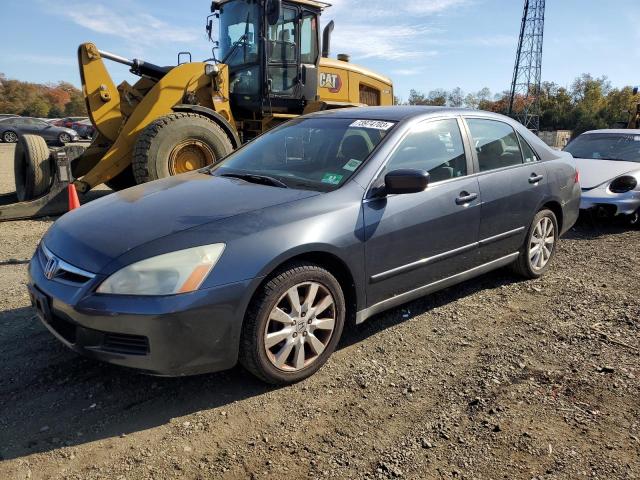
x,y
332,217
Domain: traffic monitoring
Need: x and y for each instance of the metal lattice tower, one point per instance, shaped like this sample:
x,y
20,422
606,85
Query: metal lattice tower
x,y
524,103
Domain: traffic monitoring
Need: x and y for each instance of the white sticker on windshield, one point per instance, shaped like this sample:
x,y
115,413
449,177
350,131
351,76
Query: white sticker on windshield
x,y
352,164
375,124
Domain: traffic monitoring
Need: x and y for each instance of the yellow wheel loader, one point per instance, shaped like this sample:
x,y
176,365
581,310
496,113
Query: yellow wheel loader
x,y
269,65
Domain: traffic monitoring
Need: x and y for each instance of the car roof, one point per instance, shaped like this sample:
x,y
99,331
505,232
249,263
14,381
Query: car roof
x,y
615,131
399,113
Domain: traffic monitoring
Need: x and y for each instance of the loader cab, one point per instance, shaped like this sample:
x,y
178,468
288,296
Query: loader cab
x,y
272,48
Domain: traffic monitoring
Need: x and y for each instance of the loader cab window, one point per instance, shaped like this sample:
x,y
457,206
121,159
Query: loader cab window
x,y
239,38
237,20
282,54
309,39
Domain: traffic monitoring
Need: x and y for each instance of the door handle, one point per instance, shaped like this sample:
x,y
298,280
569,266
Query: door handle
x,y
535,178
466,197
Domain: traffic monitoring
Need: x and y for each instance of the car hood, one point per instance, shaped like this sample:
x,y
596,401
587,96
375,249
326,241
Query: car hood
x,y
101,231
596,172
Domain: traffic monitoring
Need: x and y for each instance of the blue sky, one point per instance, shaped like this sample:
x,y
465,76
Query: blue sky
x,y
421,44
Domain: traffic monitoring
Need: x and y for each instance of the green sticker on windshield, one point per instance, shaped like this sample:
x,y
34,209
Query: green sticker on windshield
x,y
332,178
352,165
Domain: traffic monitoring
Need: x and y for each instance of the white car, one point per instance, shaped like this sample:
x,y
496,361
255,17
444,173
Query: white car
x,y
609,166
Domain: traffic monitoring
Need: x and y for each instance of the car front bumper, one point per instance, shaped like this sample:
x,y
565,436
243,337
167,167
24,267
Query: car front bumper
x,y
610,203
176,335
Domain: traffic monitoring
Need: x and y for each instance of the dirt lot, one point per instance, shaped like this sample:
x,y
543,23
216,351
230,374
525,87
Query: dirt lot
x,y
496,378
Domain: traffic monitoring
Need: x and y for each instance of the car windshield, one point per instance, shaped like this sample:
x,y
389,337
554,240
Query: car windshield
x,y
318,154
603,146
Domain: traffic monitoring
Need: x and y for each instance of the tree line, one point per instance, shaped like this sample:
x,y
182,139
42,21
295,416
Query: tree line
x,y
57,100
589,103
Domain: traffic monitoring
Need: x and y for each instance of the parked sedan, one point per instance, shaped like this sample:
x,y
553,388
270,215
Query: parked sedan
x,y
10,128
609,164
263,257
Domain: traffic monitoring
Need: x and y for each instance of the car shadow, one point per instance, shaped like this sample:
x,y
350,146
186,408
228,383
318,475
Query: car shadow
x,y
51,397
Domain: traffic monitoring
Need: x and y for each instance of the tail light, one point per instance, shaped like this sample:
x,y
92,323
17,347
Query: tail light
x,y
577,177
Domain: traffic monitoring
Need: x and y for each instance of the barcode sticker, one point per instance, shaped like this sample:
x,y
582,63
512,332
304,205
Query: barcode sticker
x,y
375,124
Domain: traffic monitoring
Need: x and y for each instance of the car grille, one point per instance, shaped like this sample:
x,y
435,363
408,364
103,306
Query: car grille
x,y
58,270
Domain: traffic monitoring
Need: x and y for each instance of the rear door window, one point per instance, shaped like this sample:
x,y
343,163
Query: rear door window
x,y
528,153
496,144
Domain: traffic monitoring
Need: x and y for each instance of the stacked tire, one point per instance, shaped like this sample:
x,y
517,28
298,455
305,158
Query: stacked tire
x,y
32,167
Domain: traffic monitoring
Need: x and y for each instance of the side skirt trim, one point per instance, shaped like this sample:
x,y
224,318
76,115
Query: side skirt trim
x,y
363,315
501,236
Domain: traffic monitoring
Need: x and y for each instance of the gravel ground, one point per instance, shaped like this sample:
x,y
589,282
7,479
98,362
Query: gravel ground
x,y
495,378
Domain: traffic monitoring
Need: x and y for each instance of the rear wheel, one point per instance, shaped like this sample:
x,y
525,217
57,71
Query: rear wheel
x,y
10,137
294,324
32,167
539,246
178,143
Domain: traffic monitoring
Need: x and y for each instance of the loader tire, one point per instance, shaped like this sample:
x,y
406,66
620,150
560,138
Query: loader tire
x,y
176,144
32,167
122,181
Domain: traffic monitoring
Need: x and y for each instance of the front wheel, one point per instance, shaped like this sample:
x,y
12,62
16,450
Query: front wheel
x,y
178,143
294,324
539,246
64,138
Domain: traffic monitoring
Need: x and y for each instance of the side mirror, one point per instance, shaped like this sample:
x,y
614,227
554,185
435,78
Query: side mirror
x,y
273,10
405,181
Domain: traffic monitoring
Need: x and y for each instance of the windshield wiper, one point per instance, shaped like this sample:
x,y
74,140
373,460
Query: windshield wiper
x,y
260,179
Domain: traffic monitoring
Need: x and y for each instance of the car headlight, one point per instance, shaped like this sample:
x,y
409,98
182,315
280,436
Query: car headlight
x,y
623,184
176,272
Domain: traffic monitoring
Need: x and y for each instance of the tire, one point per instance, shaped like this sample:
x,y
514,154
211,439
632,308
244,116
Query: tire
x,y
64,138
527,264
260,358
158,142
10,137
32,167
122,181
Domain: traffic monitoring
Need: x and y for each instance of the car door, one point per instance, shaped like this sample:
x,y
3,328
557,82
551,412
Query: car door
x,y
416,239
31,126
512,189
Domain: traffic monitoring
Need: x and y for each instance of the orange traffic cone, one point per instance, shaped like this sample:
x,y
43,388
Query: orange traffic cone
x,y
74,201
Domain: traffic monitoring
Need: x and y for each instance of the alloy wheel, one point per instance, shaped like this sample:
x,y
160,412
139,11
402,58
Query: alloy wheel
x,y
65,138
300,326
10,137
542,242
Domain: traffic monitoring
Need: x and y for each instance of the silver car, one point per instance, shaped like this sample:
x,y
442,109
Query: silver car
x,y
11,128
609,166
